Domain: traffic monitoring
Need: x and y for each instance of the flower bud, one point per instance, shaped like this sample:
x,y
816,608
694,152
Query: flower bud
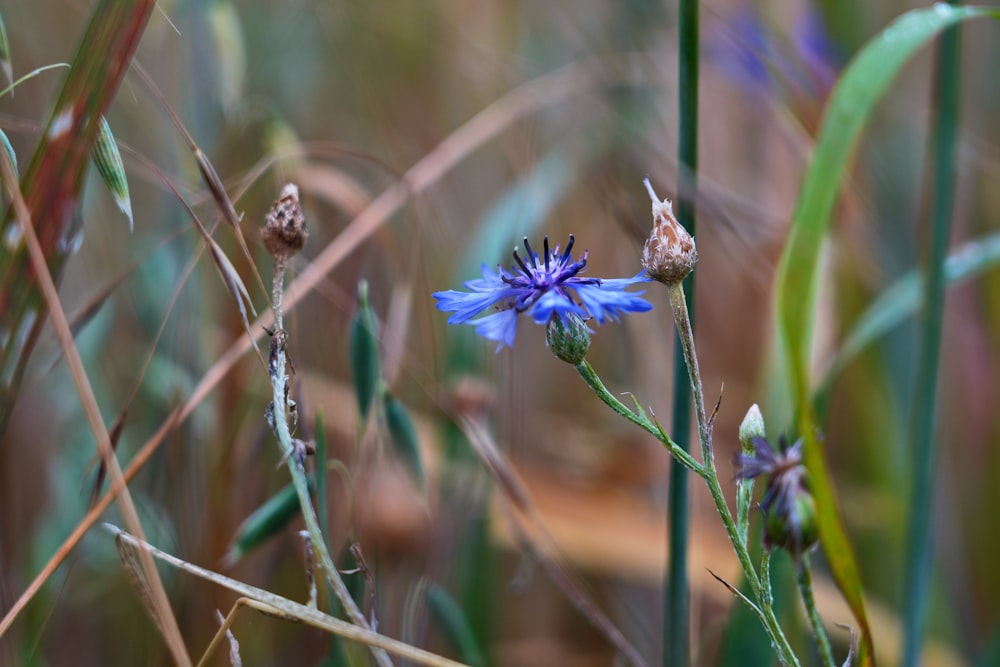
x,y
285,227
669,253
792,524
751,427
788,507
568,338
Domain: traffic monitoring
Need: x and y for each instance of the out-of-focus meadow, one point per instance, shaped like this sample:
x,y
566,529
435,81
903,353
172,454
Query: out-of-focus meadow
x,y
429,137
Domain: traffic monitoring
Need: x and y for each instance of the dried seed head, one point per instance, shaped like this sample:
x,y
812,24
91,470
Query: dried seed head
x,y
285,228
669,254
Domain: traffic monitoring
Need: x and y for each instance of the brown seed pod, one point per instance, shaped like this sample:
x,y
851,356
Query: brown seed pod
x,y
669,253
284,231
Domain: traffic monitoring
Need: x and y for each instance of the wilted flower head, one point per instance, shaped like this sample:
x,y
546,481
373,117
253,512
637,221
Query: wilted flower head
x,y
669,253
788,507
542,287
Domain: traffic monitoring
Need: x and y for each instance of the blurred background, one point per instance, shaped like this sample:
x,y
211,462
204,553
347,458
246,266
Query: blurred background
x,y
505,120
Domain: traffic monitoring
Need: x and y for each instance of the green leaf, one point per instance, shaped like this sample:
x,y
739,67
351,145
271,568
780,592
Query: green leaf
x,y
454,625
403,435
265,522
860,87
364,352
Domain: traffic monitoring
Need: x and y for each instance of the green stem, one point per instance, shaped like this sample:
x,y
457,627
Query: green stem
x,y
678,304
918,562
676,610
590,376
804,576
771,625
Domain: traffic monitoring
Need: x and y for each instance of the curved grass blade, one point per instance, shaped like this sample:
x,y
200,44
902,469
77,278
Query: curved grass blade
x,y
852,102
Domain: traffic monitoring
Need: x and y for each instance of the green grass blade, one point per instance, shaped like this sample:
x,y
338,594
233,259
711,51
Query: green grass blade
x,y
918,573
852,102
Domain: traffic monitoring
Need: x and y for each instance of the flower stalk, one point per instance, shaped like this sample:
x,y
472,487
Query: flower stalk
x,y
668,257
804,577
284,234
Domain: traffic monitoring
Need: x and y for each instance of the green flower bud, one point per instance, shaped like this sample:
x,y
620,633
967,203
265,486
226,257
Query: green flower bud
x,y
568,337
751,427
792,525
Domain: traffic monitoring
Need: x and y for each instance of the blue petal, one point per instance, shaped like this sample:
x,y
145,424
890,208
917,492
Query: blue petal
x,y
604,302
467,305
501,327
621,283
554,303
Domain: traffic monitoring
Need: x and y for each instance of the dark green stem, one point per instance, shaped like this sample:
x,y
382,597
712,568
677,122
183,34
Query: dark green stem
x,y
676,624
804,576
918,547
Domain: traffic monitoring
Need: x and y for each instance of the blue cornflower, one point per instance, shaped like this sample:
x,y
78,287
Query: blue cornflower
x,y
540,287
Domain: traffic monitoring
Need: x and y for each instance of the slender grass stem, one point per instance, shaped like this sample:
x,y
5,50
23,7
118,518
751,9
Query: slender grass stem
x,y
804,577
923,410
676,611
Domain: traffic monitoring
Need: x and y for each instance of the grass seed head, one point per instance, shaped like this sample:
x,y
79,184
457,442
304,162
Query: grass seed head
x,y
285,228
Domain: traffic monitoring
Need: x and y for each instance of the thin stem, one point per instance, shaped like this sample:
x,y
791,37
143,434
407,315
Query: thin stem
x,y
682,320
804,576
587,372
676,613
279,422
923,411
678,305
771,625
